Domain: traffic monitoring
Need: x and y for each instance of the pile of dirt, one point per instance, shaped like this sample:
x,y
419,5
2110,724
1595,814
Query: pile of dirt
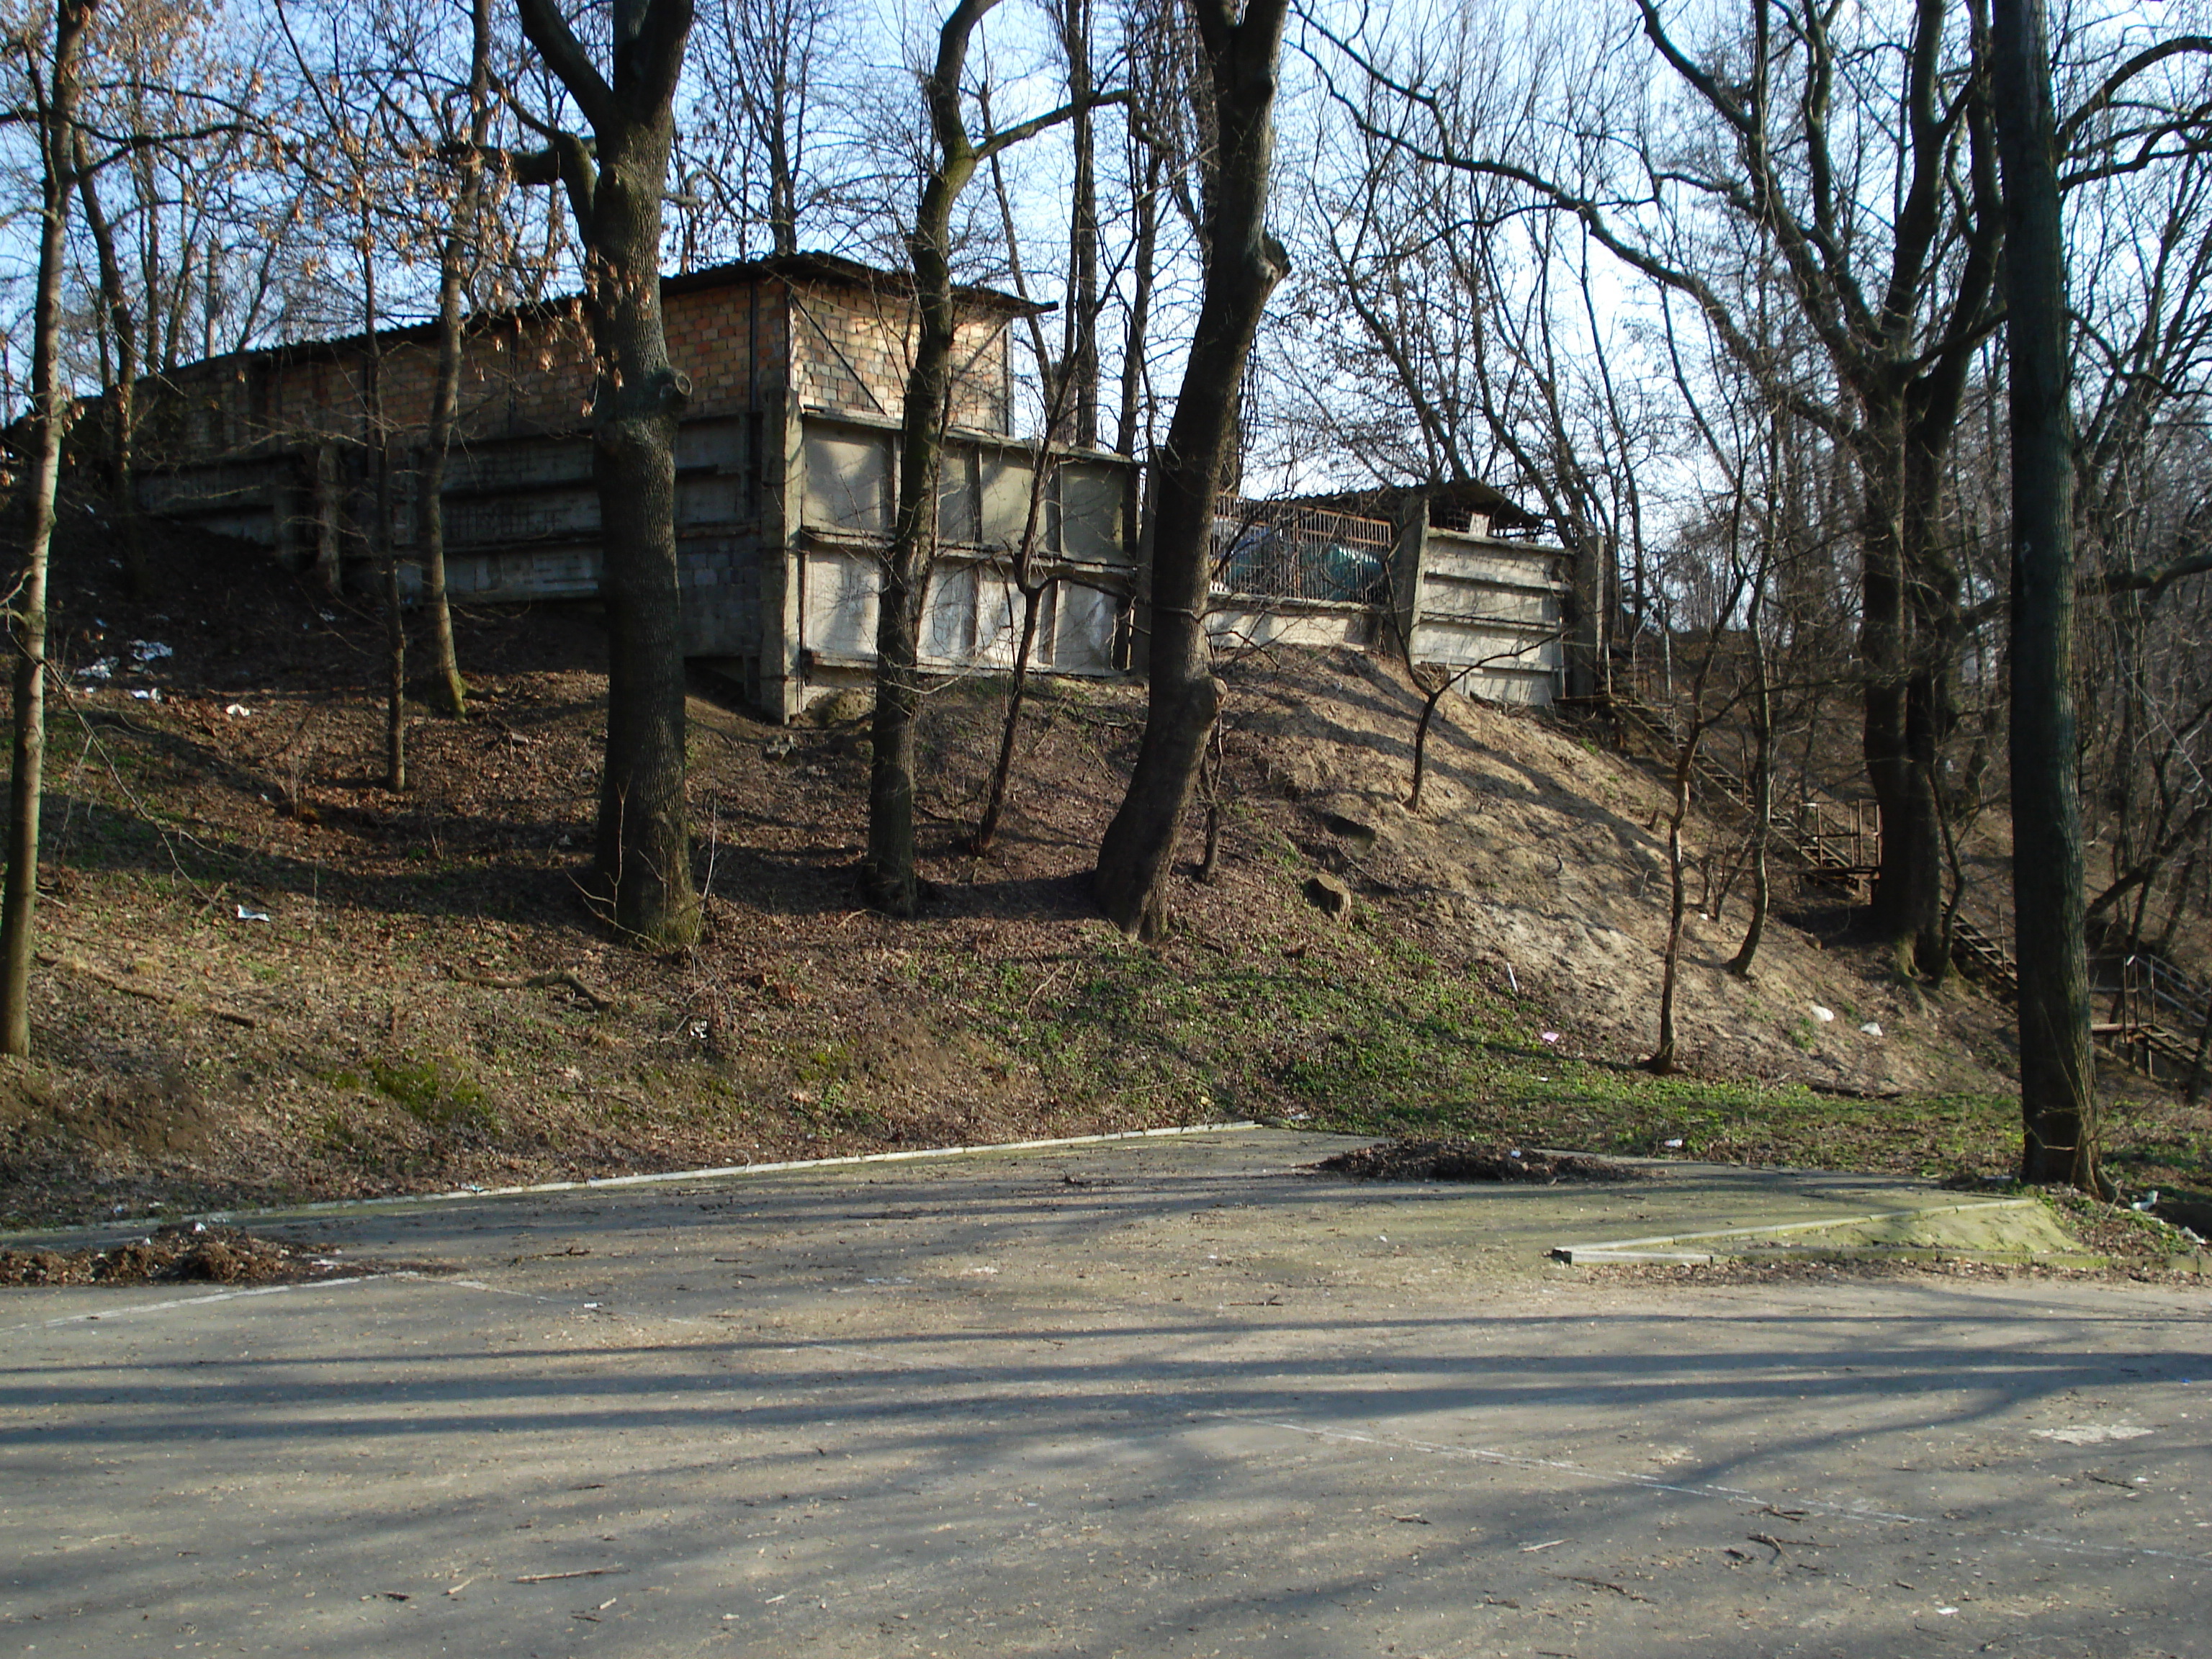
x,y
1464,1160
184,1251
1543,850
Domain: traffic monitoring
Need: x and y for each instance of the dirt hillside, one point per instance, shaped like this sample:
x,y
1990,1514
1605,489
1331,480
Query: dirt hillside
x,y
1543,857
265,976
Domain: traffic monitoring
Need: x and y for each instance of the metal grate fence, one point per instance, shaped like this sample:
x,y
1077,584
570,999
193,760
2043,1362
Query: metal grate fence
x,y
1278,550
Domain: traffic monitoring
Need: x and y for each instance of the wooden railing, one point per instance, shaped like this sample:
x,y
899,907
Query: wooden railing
x,y
2154,1016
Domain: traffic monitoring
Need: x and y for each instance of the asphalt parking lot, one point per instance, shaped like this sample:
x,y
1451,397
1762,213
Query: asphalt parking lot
x,y
1148,1396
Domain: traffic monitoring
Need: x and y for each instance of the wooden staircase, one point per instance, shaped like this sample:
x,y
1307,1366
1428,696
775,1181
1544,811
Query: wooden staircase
x,y
2156,1015
2156,1012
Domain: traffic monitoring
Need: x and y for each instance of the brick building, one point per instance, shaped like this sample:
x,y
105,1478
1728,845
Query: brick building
x,y
785,469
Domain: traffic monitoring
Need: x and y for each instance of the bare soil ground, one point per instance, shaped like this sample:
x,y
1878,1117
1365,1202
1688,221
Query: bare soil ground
x,y
265,977
1542,853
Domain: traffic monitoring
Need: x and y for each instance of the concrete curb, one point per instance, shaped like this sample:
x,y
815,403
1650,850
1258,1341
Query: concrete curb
x,y
610,1183
1663,1246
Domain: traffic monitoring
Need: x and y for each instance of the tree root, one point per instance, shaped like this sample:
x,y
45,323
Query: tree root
x,y
565,976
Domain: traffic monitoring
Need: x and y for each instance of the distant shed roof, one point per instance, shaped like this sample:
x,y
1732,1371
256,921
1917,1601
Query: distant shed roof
x,y
836,268
736,273
1451,504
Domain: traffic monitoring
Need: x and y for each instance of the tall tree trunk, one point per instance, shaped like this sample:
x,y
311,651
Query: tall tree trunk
x,y
449,693
1762,787
1083,223
782,165
644,843
644,850
1136,336
2176,900
1908,892
55,95
327,492
1762,699
891,882
395,628
1031,584
1931,697
383,553
1663,1062
2058,1092
1243,263
994,798
123,406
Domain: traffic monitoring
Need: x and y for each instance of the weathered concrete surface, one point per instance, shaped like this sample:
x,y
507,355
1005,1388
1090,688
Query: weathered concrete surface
x,y
2019,1231
1149,1398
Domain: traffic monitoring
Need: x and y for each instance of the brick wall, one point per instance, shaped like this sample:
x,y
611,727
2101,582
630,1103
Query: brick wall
x,y
853,348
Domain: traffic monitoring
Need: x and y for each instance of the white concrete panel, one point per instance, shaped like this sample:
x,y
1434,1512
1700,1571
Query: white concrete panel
x,y
998,618
1486,602
1083,637
841,603
1472,559
848,481
1313,625
957,514
948,619
1005,475
1091,501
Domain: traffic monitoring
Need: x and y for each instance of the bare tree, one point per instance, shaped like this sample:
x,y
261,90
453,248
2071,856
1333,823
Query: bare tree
x,y
51,65
1444,335
955,156
2140,307
351,147
1242,263
751,152
203,205
1775,117
1156,46
615,187
457,249
1073,21
164,99
121,336
1743,574
1026,566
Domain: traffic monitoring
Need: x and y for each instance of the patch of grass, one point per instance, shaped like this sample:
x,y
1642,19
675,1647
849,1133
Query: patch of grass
x,y
2169,1154
336,1138
1254,1034
436,1094
1378,1040
824,1068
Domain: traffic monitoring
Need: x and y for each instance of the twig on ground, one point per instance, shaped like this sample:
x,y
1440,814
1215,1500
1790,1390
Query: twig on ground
x,y
152,993
564,976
